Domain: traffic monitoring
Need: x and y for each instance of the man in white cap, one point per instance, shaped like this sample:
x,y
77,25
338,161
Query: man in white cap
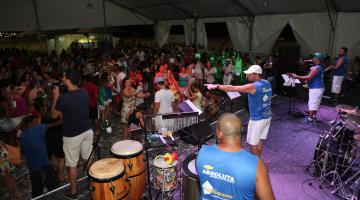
x,y
259,94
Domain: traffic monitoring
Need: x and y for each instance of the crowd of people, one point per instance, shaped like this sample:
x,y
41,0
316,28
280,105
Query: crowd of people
x,y
66,97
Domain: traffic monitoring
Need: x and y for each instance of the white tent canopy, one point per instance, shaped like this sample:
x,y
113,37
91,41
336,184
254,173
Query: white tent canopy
x,y
253,25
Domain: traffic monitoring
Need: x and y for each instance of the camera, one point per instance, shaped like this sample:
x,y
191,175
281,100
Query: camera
x,y
62,87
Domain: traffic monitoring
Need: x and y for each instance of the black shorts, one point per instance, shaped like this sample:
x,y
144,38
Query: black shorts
x,y
93,113
54,142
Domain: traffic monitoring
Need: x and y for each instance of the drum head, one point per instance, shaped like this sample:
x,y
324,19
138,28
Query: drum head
x,y
189,167
126,147
106,168
159,162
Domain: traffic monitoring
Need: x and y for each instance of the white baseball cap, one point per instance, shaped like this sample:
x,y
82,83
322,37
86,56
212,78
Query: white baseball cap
x,y
254,69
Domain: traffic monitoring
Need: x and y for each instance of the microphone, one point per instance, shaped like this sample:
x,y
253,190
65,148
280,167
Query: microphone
x,y
163,141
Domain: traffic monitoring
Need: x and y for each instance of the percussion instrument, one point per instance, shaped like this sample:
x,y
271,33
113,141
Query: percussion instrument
x,y
164,174
343,108
339,139
108,180
131,153
353,123
190,179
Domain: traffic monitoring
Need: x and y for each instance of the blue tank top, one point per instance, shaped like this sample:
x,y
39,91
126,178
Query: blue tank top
x,y
341,70
260,101
226,175
318,80
183,81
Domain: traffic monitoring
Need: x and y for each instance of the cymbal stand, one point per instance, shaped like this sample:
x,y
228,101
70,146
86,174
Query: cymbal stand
x,y
336,175
342,184
315,162
323,173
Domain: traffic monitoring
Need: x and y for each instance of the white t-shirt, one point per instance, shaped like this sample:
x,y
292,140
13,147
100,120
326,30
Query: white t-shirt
x,y
119,78
228,69
165,98
198,71
209,74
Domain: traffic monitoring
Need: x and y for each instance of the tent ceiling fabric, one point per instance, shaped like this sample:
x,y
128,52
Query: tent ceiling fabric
x,y
175,9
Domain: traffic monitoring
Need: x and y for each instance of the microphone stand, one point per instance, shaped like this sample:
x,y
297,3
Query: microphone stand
x,y
103,128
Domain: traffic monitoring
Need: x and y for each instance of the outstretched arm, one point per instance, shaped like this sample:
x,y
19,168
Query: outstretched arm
x,y
248,88
307,77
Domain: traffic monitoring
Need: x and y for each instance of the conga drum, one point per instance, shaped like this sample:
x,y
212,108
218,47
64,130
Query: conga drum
x,y
190,180
108,180
131,153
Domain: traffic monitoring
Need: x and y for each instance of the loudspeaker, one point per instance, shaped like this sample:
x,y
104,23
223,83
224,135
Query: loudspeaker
x,y
287,62
196,134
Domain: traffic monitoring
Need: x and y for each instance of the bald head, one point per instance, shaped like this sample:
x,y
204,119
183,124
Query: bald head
x,y
229,125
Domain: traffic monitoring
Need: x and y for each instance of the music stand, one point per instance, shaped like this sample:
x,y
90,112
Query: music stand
x,y
289,90
232,96
188,106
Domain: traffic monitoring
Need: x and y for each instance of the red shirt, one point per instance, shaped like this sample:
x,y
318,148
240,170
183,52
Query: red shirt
x,y
93,91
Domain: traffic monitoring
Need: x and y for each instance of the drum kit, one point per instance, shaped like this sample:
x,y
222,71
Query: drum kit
x,y
337,153
127,173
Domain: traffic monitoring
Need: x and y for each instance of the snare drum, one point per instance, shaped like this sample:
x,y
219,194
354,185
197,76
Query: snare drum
x,y
164,174
131,152
190,179
108,180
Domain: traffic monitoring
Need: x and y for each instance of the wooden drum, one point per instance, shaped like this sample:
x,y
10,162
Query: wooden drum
x,y
131,152
108,180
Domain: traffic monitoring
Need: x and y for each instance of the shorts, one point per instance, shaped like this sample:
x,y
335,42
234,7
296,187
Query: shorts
x,y
336,84
93,113
74,146
315,96
257,130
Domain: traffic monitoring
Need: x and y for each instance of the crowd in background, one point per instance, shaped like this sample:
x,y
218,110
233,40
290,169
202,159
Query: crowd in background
x,y
119,81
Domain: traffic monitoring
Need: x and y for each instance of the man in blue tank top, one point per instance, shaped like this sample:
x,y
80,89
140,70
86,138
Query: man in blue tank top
x,y
315,81
259,95
339,70
227,171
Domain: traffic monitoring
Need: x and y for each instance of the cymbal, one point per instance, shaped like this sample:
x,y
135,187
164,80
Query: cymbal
x,y
353,123
355,112
343,108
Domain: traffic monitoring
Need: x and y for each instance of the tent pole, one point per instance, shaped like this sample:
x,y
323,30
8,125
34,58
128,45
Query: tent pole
x,y
333,27
252,19
105,22
196,19
333,34
37,22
